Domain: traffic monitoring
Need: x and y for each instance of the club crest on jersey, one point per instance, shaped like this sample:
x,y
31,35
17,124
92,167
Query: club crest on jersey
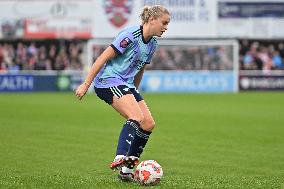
x,y
125,42
118,11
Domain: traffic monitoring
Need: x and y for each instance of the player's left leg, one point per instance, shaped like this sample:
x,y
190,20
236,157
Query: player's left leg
x,y
143,133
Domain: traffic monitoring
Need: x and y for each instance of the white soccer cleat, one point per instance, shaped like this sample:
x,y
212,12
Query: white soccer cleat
x,y
126,174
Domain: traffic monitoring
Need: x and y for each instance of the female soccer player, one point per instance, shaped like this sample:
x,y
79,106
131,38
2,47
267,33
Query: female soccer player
x,y
117,73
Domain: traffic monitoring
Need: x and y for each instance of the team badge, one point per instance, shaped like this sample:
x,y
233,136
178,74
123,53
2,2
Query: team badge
x,y
118,11
125,42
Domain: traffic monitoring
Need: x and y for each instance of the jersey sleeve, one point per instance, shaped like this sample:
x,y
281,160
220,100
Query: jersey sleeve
x,y
121,42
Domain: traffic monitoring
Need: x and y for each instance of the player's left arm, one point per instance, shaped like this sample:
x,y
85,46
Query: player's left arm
x,y
138,77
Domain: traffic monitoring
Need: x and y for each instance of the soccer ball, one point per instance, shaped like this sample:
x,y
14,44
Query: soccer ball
x,y
148,172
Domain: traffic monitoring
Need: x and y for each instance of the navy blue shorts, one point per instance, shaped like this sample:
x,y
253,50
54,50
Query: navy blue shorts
x,y
107,94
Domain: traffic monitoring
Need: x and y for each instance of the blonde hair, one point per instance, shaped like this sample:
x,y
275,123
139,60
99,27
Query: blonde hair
x,y
155,11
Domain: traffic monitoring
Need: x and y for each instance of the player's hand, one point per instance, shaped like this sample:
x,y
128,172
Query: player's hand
x,y
81,91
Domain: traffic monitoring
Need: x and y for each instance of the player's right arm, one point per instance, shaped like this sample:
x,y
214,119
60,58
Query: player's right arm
x,y
108,54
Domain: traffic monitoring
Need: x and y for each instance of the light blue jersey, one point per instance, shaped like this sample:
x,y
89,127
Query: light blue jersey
x,y
133,52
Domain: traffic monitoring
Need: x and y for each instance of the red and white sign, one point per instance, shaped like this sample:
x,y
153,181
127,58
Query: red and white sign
x,y
118,12
58,28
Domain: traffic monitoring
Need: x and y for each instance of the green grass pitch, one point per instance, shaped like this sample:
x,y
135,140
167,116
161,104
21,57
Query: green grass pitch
x,y
51,140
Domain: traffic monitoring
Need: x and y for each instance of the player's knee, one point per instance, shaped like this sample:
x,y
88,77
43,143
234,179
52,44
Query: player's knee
x,y
137,117
148,124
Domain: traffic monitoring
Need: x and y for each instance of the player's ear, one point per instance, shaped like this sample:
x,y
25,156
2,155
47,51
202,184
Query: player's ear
x,y
151,19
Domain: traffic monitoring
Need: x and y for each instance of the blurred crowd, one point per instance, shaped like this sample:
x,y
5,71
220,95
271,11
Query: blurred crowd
x,y
41,55
261,55
192,58
187,57
68,55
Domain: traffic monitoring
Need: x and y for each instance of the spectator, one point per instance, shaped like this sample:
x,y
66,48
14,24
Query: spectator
x,y
248,61
277,62
1,57
263,55
61,61
75,58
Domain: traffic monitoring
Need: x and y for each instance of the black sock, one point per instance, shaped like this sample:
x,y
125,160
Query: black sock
x,y
126,136
139,142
